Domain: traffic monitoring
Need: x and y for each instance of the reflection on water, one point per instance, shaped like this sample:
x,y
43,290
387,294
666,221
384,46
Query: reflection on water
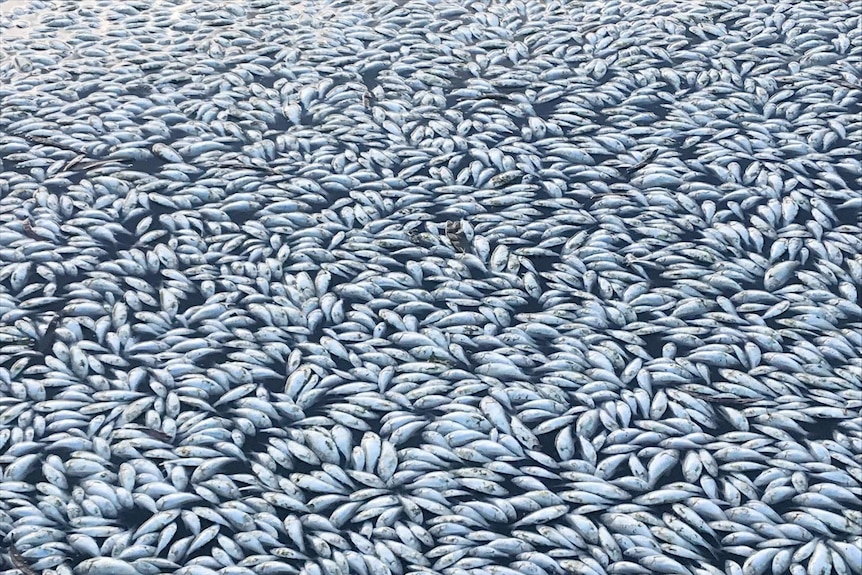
x,y
19,17
15,20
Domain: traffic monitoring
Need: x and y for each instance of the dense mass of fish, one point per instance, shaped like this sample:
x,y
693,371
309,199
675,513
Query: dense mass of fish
x,y
391,288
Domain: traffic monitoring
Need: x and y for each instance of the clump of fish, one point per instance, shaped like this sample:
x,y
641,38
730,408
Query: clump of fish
x,y
417,287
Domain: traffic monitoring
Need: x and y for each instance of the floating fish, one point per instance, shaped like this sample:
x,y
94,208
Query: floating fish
x,y
414,287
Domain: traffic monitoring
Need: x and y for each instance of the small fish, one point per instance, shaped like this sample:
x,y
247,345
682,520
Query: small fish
x,y
20,562
648,157
455,235
541,287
